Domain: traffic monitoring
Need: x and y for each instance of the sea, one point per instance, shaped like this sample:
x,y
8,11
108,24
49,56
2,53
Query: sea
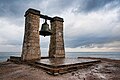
x,y
111,55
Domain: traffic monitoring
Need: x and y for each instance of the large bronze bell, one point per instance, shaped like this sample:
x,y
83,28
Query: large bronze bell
x,y
45,31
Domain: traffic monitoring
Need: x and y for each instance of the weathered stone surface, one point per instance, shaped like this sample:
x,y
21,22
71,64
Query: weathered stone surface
x,y
31,45
56,48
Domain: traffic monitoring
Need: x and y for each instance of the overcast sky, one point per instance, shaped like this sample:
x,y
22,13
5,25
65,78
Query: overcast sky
x,y
89,25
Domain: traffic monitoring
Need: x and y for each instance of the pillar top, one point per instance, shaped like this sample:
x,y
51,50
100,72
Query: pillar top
x,y
32,11
56,18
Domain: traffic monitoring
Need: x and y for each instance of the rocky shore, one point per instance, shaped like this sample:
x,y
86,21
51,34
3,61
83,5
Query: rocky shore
x,y
108,69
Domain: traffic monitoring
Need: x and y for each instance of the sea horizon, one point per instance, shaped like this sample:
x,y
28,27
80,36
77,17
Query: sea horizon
x,y
111,55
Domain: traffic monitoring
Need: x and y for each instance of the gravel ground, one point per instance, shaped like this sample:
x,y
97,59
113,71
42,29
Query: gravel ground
x,y
106,70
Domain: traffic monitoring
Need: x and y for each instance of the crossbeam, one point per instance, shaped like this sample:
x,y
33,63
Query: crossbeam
x,y
45,17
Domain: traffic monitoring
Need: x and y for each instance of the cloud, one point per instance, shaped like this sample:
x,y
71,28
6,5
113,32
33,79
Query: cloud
x,y
44,41
87,6
103,47
88,23
98,27
10,34
11,8
10,48
58,6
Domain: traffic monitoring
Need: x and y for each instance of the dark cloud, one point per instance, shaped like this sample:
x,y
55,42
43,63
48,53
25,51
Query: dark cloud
x,y
58,6
87,41
16,8
95,5
10,8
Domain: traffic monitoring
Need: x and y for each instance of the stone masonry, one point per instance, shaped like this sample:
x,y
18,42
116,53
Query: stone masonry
x,y
56,48
31,45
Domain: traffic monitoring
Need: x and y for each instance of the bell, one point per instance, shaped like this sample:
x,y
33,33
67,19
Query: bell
x,y
45,31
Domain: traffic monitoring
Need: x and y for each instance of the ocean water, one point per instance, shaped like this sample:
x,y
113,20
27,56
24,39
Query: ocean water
x,y
5,55
112,55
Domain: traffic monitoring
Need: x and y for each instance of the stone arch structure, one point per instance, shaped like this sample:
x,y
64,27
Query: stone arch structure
x,y
31,45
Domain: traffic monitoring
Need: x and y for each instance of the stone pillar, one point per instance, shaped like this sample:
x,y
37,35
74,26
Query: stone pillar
x,y
31,45
56,48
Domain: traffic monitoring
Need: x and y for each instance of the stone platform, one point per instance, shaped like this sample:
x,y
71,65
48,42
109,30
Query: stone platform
x,y
57,66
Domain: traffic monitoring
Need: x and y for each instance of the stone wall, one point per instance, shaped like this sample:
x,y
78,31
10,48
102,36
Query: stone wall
x,y
31,45
56,48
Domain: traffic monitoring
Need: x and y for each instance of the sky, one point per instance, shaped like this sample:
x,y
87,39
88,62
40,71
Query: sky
x,y
89,25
